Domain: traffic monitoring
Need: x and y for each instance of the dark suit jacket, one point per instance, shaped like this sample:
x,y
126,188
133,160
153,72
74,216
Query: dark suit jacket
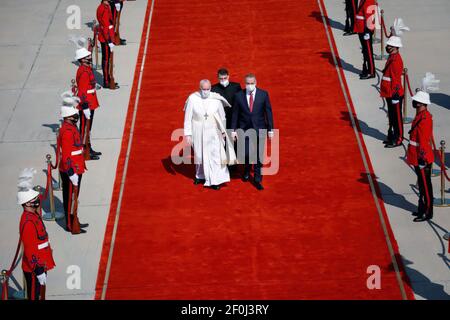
x,y
260,118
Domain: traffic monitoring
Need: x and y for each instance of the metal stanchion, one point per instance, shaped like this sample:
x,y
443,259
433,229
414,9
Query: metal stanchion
x,y
3,284
442,202
406,119
382,56
53,215
57,185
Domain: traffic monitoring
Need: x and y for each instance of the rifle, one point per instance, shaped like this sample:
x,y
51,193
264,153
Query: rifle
x,y
95,43
42,293
74,87
74,210
87,139
112,81
116,29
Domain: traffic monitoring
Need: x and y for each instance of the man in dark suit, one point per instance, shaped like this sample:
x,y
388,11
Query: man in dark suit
x,y
227,90
252,113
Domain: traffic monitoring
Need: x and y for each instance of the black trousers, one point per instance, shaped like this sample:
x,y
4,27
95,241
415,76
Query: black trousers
x,y
367,51
106,59
65,191
83,123
350,6
426,198
253,151
395,116
29,279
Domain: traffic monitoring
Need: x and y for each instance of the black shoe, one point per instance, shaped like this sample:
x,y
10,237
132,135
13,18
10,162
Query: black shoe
x,y
422,218
123,42
416,214
387,142
81,231
246,177
392,145
198,181
93,157
363,74
349,33
215,187
116,86
84,225
95,153
368,76
259,186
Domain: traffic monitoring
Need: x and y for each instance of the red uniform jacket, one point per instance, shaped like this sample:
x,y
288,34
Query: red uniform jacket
x,y
106,23
86,88
365,16
37,252
71,149
420,137
391,82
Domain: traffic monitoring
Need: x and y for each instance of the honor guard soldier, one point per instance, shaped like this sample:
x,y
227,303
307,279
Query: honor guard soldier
x,y
420,154
72,164
350,8
37,256
106,37
364,27
86,91
392,90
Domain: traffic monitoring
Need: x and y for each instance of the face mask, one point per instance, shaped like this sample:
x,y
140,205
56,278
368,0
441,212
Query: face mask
x,y
36,203
74,118
224,82
250,87
205,93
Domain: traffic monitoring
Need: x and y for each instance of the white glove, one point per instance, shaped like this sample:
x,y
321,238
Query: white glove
x,y
366,36
87,113
74,179
42,278
395,101
271,134
234,135
111,46
189,140
117,5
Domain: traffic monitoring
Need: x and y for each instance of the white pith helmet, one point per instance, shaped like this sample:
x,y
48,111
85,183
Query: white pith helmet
x,y
68,111
25,196
395,41
82,53
422,97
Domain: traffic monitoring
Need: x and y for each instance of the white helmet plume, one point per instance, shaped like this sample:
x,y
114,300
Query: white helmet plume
x,y
80,42
399,27
430,83
25,181
69,99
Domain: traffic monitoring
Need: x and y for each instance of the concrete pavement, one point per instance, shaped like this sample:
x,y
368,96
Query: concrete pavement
x,y
36,66
426,48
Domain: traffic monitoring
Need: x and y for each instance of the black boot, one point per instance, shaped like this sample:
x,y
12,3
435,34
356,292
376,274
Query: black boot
x,y
93,152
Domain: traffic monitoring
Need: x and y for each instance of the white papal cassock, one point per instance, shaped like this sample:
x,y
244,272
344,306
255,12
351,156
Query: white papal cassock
x,y
204,120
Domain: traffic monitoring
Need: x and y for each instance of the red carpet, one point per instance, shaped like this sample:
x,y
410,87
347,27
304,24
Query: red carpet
x,y
314,230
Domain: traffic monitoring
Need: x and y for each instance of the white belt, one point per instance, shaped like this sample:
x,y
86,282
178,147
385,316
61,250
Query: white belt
x,y
413,143
42,245
386,78
91,91
110,27
360,17
74,153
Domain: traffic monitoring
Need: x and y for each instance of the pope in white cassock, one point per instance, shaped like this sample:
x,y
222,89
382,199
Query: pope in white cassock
x,y
204,129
